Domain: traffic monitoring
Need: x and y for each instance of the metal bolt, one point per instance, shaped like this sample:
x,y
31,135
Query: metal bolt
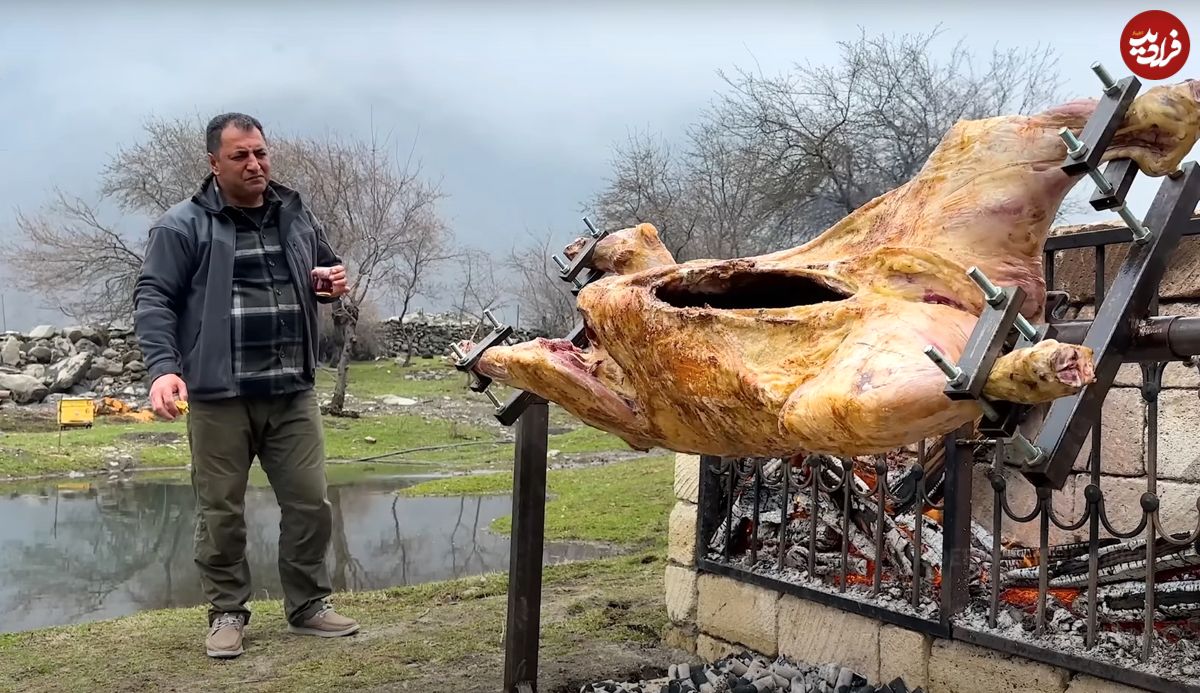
x,y
1140,233
954,374
1101,180
1032,453
1026,329
591,229
1110,85
487,315
495,402
1075,148
457,352
562,264
991,292
988,410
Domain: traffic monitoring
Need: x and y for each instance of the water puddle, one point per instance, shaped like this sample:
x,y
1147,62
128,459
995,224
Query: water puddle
x,y
81,550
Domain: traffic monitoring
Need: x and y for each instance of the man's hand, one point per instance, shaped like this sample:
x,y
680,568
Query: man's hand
x,y
164,392
332,280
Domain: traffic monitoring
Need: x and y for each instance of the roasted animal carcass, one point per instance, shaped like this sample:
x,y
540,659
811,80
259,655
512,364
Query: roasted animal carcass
x,y
820,348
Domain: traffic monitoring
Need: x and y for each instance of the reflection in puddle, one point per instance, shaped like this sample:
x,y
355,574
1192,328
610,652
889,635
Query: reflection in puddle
x,y
73,551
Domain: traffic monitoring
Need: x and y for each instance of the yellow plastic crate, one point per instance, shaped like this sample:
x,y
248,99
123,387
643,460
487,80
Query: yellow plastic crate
x,y
76,412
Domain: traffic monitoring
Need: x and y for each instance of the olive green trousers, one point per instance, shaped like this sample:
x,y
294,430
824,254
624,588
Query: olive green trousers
x,y
285,434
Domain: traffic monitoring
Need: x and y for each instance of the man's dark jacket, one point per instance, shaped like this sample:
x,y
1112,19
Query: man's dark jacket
x,y
183,297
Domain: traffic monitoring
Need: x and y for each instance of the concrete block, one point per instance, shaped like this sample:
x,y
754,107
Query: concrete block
x,y
711,649
1123,438
957,667
1088,684
1075,271
680,585
1179,435
902,653
681,637
687,477
681,534
819,634
738,612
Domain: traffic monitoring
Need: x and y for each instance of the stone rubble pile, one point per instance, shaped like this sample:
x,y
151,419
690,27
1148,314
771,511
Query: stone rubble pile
x,y
87,361
749,673
431,335
105,361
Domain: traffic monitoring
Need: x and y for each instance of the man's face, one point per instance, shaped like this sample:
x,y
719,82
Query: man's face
x,y
241,166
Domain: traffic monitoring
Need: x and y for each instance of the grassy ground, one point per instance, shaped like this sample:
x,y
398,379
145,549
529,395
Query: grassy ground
x,y
626,502
30,443
600,619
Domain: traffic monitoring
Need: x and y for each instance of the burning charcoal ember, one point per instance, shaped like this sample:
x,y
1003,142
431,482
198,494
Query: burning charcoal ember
x,y
1117,562
1124,603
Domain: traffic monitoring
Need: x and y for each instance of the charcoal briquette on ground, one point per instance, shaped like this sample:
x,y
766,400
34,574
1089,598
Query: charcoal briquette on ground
x,y
748,673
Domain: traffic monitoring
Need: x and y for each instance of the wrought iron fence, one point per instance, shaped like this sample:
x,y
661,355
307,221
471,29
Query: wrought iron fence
x,y
863,536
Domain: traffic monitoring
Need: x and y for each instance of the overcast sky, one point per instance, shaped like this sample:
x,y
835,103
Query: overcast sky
x,y
513,106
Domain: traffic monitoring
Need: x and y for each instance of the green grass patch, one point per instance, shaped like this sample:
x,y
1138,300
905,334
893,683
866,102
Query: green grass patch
x,y
586,439
433,637
371,379
623,503
164,444
346,439
26,453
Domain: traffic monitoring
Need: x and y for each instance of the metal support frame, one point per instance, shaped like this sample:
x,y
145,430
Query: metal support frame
x,y
1047,462
1112,332
531,414
523,629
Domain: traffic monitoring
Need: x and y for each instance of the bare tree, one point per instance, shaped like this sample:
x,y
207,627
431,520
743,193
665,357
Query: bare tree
x,y
777,160
166,166
479,289
68,238
429,249
379,213
546,301
840,135
84,266
648,185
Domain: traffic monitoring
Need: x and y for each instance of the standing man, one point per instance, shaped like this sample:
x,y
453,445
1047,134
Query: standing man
x,y
225,311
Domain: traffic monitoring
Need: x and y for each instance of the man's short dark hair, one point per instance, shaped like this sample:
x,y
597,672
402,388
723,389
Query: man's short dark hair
x,y
218,124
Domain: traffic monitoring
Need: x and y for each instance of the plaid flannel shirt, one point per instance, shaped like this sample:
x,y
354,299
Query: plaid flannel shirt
x,y
268,328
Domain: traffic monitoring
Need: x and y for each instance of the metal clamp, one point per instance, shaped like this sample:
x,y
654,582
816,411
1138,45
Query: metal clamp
x,y
1084,153
569,273
1001,325
1076,150
501,334
509,412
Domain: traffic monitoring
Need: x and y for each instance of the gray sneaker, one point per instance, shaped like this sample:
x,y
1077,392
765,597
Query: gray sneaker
x,y
225,636
326,623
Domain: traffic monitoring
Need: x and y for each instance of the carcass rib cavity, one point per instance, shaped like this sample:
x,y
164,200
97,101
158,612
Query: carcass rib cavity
x,y
746,290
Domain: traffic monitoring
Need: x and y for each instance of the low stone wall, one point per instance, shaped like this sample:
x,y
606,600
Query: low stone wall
x,y
713,616
50,360
432,339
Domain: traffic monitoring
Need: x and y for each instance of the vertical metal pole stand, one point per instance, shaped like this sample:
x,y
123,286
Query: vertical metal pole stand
x,y
525,557
531,414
